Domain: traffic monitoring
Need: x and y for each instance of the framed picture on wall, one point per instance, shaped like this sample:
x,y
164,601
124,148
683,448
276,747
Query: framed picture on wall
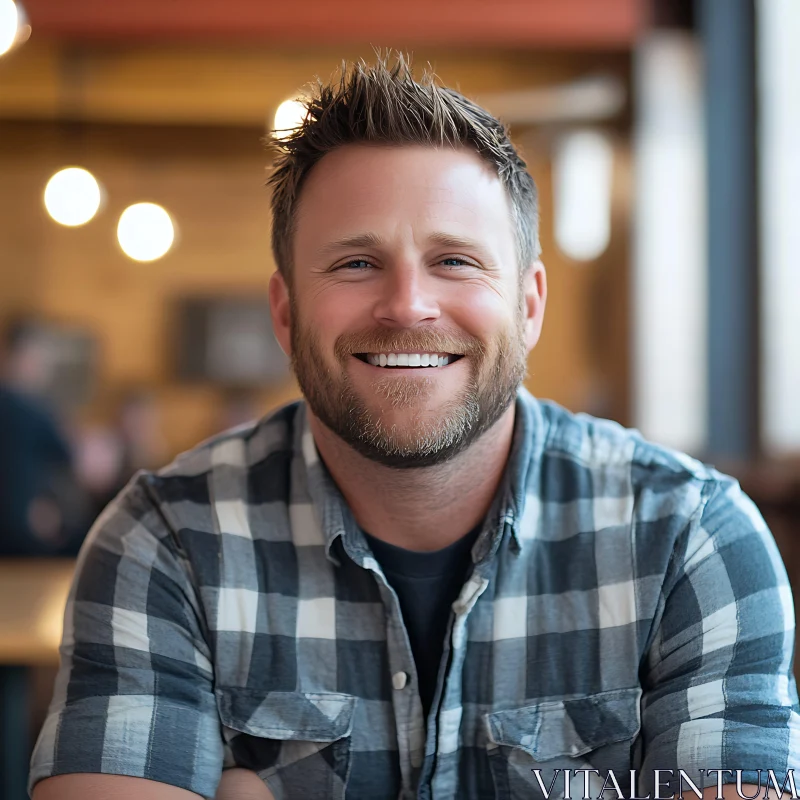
x,y
227,340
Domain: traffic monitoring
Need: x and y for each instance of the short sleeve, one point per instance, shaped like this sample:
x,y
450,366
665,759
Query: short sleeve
x,y
134,692
719,690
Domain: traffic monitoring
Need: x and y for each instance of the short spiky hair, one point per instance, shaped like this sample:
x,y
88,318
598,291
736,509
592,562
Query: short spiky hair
x,y
383,104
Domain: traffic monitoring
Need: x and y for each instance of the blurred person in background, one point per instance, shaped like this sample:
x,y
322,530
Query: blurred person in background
x,y
420,581
42,511
107,456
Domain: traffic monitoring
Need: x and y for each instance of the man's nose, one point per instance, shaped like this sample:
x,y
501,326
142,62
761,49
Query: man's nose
x,y
407,297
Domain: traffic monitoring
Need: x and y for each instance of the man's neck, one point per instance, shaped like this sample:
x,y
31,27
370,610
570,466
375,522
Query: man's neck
x,y
419,509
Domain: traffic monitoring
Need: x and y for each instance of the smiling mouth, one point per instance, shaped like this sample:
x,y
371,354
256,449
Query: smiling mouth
x,y
409,360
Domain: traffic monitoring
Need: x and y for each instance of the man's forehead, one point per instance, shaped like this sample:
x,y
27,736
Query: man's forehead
x,y
382,172
363,192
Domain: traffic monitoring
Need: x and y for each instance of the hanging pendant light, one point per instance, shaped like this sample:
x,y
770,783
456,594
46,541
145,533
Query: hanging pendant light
x,y
72,196
145,231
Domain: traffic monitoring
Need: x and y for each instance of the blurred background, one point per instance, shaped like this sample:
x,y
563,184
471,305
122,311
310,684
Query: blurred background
x,y
134,241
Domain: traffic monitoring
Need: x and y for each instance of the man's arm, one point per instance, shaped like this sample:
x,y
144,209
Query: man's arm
x,y
236,784
718,683
79,786
242,784
134,696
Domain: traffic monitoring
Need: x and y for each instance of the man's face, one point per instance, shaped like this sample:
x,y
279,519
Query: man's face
x,y
403,257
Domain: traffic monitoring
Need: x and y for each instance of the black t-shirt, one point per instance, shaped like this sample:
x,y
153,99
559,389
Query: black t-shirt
x,y
426,584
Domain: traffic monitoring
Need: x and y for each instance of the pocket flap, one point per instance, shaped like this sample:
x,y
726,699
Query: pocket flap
x,y
289,716
568,727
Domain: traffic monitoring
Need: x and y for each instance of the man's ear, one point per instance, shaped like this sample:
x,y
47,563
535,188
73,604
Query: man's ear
x,y
281,309
534,290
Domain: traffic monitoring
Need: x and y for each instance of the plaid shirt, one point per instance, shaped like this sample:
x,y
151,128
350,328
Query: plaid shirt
x,y
627,609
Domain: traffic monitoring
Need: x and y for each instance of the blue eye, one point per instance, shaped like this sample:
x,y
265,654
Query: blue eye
x,y
460,262
348,266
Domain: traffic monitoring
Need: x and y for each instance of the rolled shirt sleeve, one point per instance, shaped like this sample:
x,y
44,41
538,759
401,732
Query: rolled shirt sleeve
x,y
134,692
719,690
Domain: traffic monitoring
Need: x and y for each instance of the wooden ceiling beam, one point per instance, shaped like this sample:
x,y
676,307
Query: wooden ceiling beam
x,y
185,84
590,24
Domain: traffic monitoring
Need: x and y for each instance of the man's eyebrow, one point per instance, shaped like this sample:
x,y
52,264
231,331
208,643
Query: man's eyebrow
x,y
347,242
449,240
373,240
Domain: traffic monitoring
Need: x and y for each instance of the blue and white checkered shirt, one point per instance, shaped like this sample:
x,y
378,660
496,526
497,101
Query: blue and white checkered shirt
x,y
627,610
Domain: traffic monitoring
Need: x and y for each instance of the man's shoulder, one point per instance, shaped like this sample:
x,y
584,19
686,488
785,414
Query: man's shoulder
x,y
243,465
611,476
243,446
621,455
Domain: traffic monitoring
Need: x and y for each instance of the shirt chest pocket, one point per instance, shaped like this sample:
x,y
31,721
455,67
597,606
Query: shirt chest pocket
x,y
297,742
528,745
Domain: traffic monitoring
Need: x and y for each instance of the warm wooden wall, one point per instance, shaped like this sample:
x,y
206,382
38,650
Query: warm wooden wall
x,y
211,181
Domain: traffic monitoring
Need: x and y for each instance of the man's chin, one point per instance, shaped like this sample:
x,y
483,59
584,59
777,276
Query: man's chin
x,y
398,401
411,420
401,454
407,438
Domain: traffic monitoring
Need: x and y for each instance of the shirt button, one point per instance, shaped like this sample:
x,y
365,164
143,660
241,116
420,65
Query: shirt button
x,y
399,680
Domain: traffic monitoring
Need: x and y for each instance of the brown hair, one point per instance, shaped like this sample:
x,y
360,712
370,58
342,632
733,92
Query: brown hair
x,y
383,104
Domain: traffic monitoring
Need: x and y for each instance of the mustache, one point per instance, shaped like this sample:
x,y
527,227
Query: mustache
x,y
429,340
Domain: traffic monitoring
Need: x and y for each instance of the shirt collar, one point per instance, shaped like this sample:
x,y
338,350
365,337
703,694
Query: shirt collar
x,y
505,514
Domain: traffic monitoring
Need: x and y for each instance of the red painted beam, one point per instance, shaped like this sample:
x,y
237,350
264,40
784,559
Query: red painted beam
x,y
548,23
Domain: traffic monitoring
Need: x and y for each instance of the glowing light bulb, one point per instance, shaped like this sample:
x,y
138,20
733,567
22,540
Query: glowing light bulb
x,y
288,118
72,196
145,232
9,24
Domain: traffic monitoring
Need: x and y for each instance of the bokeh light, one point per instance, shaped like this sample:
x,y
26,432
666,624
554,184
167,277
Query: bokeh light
x,y
288,118
582,182
9,24
72,196
145,232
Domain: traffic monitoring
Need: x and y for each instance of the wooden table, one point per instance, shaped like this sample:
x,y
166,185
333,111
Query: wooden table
x,y
33,593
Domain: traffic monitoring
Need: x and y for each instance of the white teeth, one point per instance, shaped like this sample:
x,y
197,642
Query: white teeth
x,y
407,360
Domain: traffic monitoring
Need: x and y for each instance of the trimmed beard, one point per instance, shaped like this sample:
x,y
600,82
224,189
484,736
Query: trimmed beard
x,y
489,391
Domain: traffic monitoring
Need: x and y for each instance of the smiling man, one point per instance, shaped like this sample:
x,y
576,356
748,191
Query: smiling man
x,y
421,581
